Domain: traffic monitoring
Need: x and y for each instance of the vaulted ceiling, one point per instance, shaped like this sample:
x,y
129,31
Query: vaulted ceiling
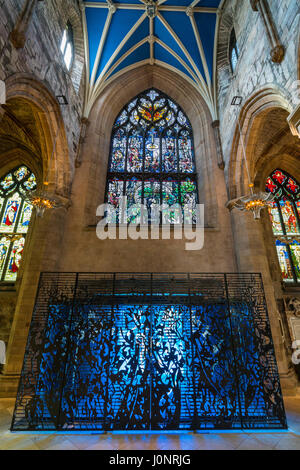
x,y
175,34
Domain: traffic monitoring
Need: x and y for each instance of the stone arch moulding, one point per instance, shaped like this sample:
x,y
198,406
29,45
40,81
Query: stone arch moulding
x,y
106,109
53,139
70,13
260,102
225,28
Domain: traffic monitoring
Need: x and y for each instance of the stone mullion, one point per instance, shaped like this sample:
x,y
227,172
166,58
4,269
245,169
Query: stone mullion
x,y
18,35
277,49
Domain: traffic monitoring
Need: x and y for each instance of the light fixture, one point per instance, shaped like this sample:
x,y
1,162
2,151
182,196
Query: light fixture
x,y
62,100
42,201
253,202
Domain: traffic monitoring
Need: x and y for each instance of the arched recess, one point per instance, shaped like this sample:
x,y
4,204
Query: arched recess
x,y
268,144
37,138
263,110
27,92
111,102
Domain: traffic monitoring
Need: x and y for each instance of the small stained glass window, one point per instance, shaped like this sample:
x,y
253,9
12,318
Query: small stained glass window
x,y
285,218
152,159
233,51
15,216
67,45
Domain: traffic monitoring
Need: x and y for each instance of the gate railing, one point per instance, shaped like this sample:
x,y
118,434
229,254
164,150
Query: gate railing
x,y
147,351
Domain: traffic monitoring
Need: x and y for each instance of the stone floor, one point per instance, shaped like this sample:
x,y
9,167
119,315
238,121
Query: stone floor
x,y
185,441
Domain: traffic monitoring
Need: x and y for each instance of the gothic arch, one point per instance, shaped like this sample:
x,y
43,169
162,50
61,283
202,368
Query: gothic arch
x,y
53,142
115,97
258,109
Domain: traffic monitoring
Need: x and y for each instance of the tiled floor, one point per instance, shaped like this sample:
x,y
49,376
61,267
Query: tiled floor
x,y
225,441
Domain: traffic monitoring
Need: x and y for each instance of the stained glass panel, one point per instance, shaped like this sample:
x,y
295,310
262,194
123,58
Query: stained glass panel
x,y
119,151
152,198
152,150
134,200
188,199
169,152
289,216
4,249
15,260
15,216
284,261
295,253
170,198
275,219
114,194
135,152
10,214
152,138
186,163
284,214
25,218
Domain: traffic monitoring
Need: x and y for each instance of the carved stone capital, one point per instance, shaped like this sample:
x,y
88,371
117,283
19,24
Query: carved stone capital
x,y
277,54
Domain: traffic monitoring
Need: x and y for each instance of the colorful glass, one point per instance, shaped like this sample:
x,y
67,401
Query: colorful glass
x,y
284,215
15,216
284,261
152,139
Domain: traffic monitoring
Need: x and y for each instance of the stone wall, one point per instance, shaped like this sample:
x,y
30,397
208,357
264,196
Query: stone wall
x,y
41,57
255,69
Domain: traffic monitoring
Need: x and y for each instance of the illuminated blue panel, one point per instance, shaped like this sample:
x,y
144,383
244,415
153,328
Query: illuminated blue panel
x,y
138,55
141,33
163,55
95,18
121,23
181,24
206,26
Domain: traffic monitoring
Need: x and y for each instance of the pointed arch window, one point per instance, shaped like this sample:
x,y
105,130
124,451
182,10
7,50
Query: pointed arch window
x,y
152,159
285,218
233,50
15,216
67,45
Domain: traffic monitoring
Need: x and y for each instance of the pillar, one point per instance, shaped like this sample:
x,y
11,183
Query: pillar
x,y
251,258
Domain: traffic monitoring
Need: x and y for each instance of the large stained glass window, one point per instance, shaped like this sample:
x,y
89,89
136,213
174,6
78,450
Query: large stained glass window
x,y
152,160
15,215
285,218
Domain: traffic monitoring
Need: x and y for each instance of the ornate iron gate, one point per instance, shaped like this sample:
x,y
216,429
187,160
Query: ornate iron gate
x,y
149,352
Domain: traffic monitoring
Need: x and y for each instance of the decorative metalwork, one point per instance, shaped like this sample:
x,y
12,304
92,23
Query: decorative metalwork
x,y
152,157
149,352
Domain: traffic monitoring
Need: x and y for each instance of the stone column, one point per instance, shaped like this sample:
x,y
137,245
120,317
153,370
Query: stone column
x,y
18,34
84,125
216,128
42,254
277,49
251,257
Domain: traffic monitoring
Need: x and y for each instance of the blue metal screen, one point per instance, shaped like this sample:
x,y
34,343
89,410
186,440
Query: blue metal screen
x,y
149,352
